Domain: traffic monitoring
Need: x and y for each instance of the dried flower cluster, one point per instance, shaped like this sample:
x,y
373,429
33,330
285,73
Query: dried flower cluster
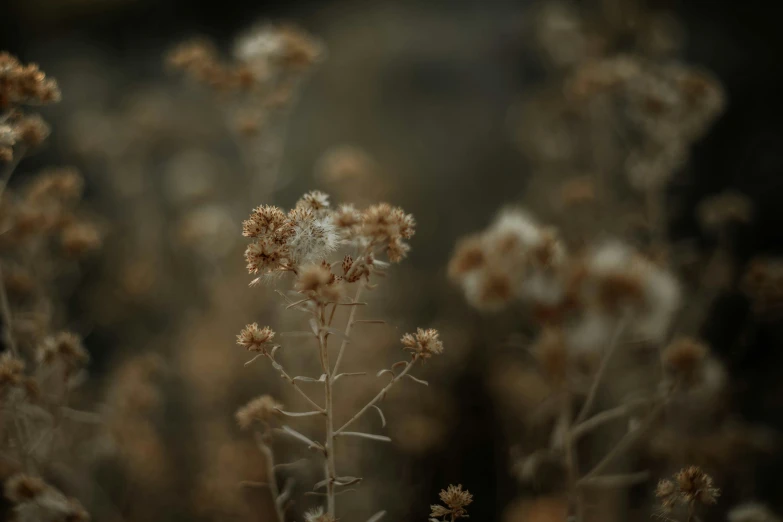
x,y
586,294
455,500
40,365
690,486
22,85
300,242
263,57
34,500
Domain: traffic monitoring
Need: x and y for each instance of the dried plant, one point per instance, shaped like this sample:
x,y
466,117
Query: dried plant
x,y
42,233
298,244
454,500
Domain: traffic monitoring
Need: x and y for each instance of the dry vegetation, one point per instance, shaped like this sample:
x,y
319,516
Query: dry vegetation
x,y
610,403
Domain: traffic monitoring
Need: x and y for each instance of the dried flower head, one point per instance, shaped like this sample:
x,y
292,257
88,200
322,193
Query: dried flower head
x,y
24,488
312,236
266,220
318,515
80,238
684,357
318,282
60,184
455,499
261,409
696,486
255,339
725,208
424,343
65,347
11,370
690,486
314,200
24,84
383,224
469,255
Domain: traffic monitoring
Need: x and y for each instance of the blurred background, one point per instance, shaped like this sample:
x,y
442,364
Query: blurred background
x,y
429,91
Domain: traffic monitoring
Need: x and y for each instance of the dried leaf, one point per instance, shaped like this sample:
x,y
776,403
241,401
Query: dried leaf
x,y
382,438
298,414
376,517
416,379
383,419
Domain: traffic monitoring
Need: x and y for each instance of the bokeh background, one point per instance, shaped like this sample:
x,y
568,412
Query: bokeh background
x,y
426,88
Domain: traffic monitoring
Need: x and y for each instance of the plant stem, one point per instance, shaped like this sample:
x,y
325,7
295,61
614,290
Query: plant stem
x,y
591,395
349,325
572,461
330,468
269,460
294,384
5,307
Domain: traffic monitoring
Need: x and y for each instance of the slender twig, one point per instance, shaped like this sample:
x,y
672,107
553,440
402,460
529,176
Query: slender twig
x,y
572,461
591,395
603,417
5,310
626,442
5,307
330,467
269,461
381,394
290,379
348,326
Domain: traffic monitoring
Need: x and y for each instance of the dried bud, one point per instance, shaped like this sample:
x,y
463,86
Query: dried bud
x,y
423,344
255,339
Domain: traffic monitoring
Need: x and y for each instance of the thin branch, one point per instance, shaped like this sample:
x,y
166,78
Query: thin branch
x,y
381,438
348,327
381,394
613,344
290,379
626,442
603,417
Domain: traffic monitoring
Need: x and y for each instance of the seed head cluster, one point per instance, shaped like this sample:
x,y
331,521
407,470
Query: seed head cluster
x,y
516,259
312,230
22,85
691,485
423,344
255,339
455,500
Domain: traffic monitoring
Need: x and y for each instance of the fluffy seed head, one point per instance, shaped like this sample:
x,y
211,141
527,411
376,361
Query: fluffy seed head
x,y
24,488
261,409
255,339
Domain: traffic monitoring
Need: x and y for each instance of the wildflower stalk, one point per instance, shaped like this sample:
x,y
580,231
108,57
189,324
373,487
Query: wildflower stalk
x,y
591,395
572,461
330,465
5,310
269,460
5,307
348,327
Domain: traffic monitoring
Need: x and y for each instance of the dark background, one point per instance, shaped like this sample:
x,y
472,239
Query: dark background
x,y
740,41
